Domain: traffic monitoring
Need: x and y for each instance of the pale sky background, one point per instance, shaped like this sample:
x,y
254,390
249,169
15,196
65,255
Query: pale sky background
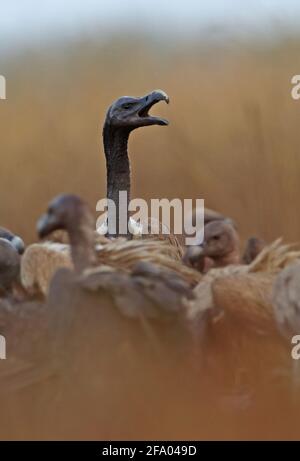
x,y
25,21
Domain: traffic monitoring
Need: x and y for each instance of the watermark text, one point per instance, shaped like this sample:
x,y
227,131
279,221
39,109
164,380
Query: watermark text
x,y
2,87
160,216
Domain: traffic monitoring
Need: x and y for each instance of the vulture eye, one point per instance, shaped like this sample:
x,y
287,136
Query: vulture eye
x,y
216,237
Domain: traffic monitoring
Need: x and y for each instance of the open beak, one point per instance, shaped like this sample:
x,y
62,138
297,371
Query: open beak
x,y
46,224
147,102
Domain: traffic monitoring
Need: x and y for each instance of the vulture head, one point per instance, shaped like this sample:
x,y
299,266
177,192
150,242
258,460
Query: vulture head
x,y
220,239
131,112
15,241
220,246
66,212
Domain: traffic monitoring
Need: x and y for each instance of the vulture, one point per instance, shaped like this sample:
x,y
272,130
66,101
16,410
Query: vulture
x,y
146,292
246,290
40,262
220,247
72,214
23,322
123,116
117,332
286,305
239,297
9,267
11,249
243,331
15,240
286,300
152,310
127,113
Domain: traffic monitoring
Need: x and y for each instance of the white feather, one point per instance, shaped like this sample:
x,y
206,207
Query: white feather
x,y
103,229
135,228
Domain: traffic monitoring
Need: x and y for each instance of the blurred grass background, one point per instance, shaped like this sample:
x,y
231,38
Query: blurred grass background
x,y
234,136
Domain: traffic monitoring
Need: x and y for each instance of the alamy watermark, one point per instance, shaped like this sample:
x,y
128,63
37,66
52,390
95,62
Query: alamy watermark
x,y
2,338
295,352
295,91
2,87
2,348
163,216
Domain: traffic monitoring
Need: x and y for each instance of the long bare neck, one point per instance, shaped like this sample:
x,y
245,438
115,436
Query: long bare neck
x,y
82,240
118,168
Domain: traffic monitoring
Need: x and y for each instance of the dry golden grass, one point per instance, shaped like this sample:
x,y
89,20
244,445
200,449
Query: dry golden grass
x,y
233,139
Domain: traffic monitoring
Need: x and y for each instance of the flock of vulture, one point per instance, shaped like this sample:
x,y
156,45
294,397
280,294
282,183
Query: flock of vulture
x,y
131,303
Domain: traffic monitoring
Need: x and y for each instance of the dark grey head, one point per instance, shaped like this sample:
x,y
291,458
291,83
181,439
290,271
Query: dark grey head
x,y
16,241
131,112
65,212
